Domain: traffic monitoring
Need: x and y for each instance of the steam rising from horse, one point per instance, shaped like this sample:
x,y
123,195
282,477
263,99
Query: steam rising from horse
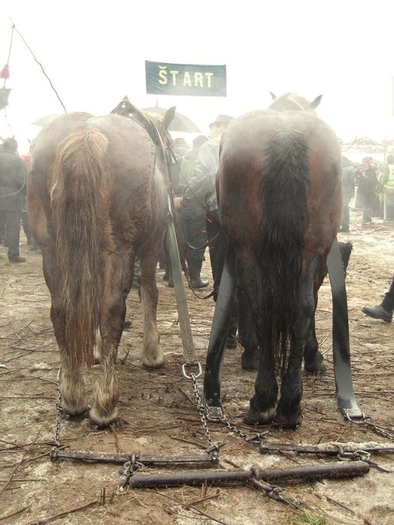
x,y
280,201
96,197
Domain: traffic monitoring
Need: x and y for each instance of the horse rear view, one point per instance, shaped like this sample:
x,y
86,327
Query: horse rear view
x,y
280,202
96,197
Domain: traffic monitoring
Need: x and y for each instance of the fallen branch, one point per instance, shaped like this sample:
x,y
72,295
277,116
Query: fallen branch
x,y
14,513
65,513
191,507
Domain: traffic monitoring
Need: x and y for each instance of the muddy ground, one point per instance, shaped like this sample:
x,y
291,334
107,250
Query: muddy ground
x,y
159,412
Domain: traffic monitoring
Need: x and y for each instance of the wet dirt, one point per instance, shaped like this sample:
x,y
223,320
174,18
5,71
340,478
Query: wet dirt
x,y
159,416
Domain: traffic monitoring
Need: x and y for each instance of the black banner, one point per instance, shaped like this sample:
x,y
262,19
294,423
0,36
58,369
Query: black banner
x,y
185,79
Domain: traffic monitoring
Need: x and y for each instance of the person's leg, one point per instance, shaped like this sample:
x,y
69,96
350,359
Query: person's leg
x,y
196,239
13,236
383,311
217,243
3,220
345,220
388,301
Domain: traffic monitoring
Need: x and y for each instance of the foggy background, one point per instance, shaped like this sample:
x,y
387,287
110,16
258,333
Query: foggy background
x,y
95,55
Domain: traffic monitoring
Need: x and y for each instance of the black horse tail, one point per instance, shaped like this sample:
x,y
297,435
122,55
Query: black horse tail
x,y
79,173
285,218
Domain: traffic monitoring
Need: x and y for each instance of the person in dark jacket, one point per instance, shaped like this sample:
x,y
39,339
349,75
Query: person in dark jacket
x,y
367,188
193,220
202,186
12,196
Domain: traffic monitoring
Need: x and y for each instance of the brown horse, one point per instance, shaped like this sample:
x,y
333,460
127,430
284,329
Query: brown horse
x,y
97,197
279,189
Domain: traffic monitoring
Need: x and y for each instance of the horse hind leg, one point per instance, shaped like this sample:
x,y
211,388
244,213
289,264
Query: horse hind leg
x,y
289,407
313,359
116,284
257,350
247,334
152,354
71,385
262,404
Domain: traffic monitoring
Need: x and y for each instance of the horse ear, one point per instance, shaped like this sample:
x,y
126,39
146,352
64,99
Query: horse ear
x,y
316,102
272,95
169,116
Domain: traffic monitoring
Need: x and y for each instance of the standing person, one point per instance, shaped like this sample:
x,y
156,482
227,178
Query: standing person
x,y
202,186
193,220
31,242
12,196
181,148
367,187
347,193
384,310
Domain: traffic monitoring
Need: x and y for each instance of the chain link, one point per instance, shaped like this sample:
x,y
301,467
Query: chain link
x,y
220,417
361,455
213,448
249,438
129,468
373,426
379,430
59,412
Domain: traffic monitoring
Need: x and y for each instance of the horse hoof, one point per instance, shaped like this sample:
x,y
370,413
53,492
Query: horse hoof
x,y
76,412
156,362
288,424
80,416
153,359
292,421
256,417
100,419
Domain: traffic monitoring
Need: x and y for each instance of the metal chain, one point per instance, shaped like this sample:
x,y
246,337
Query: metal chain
x,y
216,414
361,455
373,426
129,468
379,430
249,438
213,448
59,412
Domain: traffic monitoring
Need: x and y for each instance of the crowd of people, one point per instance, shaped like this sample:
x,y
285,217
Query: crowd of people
x,y
197,212
367,183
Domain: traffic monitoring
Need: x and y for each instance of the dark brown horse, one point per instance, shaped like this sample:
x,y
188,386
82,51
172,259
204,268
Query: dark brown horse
x,y
279,189
97,197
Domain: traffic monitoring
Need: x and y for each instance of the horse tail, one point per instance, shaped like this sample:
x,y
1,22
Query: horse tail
x,y
78,174
285,218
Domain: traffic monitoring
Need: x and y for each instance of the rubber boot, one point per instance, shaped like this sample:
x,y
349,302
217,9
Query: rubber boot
x,y
195,275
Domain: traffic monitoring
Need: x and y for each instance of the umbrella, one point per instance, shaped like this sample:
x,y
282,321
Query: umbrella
x,y
180,122
45,120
